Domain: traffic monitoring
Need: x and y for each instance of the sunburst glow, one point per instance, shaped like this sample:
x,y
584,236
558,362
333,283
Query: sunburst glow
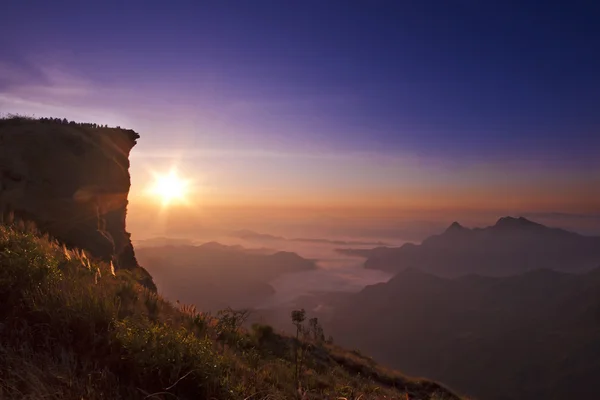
x,y
170,188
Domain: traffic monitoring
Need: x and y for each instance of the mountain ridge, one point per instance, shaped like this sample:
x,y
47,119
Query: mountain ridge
x,y
247,234
511,245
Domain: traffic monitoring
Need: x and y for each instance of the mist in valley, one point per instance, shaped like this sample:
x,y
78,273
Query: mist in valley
x,y
200,279
333,272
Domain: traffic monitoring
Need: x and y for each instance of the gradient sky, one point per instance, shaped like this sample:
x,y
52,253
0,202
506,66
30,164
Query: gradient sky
x,y
385,104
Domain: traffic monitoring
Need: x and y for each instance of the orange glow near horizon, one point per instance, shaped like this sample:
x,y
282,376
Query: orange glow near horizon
x,y
172,189
227,185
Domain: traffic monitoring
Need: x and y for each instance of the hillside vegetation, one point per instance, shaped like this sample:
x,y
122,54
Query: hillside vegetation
x,y
72,328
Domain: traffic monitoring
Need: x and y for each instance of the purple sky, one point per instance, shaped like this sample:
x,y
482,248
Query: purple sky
x,y
384,103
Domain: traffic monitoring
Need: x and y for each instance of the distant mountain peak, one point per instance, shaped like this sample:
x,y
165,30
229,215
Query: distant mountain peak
x,y
512,222
455,227
218,246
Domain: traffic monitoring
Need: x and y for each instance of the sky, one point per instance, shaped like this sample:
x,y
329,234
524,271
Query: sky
x,y
331,105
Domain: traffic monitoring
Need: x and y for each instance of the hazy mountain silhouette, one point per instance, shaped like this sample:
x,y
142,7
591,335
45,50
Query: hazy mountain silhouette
x,y
511,246
338,242
530,336
162,241
214,276
252,235
247,234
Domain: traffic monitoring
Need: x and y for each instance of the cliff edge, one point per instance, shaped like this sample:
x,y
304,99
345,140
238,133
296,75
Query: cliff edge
x,y
72,180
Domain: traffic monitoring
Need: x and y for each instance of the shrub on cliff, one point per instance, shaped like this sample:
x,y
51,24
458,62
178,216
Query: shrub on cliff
x,y
18,119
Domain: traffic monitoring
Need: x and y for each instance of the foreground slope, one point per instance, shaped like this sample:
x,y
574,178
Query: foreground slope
x,y
70,328
530,336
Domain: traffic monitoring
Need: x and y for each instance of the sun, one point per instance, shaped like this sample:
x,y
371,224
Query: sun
x,y
170,188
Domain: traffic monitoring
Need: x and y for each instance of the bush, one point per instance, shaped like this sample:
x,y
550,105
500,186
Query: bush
x,y
262,332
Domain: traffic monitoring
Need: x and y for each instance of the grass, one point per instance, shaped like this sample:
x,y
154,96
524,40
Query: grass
x,y
72,328
20,119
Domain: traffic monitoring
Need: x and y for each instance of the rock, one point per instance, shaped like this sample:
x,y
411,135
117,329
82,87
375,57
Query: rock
x,y
72,180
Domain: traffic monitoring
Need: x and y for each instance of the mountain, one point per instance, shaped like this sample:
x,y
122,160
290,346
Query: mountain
x,y
251,235
511,246
215,276
531,336
162,241
338,242
247,234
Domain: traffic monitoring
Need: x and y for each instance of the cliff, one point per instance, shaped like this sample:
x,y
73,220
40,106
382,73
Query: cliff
x,y
72,180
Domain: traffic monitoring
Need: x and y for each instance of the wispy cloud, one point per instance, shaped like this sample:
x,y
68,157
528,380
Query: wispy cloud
x,y
257,153
573,216
35,86
11,74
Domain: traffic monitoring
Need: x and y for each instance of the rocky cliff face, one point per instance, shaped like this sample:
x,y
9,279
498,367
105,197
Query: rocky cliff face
x,y
72,180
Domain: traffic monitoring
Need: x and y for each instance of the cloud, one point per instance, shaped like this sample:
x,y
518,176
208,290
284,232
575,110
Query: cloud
x,y
42,87
42,84
22,103
10,73
565,215
38,88
237,153
16,69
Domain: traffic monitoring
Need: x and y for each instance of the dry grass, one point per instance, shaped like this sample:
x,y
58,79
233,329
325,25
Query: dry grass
x,y
72,328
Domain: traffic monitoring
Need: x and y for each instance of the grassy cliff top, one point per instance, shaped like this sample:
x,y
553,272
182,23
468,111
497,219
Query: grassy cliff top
x,y
15,120
71,327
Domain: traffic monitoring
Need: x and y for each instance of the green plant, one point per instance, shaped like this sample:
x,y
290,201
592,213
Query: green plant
x,y
316,330
262,332
228,323
298,317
